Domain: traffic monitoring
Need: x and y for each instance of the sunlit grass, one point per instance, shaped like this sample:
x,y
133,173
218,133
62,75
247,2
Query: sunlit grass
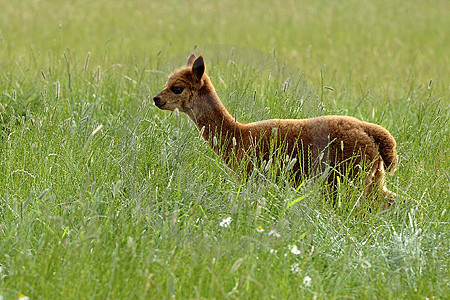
x,y
102,195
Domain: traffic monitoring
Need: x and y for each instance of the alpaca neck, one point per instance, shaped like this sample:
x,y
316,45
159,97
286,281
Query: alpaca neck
x,y
212,119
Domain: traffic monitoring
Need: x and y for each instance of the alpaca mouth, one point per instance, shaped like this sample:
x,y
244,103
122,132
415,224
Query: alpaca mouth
x,y
159,105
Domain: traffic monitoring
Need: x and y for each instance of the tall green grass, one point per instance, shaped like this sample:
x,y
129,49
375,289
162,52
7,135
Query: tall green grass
x,y
102,195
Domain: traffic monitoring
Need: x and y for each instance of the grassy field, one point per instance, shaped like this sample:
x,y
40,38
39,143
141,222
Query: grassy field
x,y
103,196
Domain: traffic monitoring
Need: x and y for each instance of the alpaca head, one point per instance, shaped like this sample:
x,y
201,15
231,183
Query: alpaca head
x,y
183,86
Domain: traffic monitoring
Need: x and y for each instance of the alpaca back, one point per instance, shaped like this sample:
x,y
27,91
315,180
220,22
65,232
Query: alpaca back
x,y
334,146
339,142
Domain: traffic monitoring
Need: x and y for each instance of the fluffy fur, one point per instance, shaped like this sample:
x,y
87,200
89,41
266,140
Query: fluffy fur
x,y
335,144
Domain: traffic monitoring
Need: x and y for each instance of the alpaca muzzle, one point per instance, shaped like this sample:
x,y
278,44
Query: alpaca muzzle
x,y
158,102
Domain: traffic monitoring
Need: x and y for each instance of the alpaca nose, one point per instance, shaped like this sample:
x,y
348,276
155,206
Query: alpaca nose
x,y
156,99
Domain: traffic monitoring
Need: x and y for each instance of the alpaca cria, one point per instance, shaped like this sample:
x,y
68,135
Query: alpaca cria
x,y
336,145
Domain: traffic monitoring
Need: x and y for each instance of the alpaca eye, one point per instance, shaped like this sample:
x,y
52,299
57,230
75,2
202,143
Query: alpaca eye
x,y
176,90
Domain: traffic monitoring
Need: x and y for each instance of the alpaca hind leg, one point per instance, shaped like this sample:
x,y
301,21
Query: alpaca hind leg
x,y
376,188
371,180
388,196
375,185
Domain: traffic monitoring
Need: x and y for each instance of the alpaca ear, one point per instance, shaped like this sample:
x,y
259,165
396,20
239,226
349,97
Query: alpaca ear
x,y
190,60
198,67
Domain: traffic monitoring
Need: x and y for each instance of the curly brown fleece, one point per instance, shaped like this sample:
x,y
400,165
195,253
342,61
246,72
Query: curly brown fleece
x,y
335,144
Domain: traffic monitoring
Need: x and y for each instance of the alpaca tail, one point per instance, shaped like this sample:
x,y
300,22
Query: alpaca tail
x,y
386,145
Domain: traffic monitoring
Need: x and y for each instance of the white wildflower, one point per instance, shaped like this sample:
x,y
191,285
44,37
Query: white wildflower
x,y
307,280
273,251
274,233
226,222
295,268
22,297
294,250
260,228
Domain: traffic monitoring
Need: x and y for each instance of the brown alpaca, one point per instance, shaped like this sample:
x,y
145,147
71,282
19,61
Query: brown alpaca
x,y
335,145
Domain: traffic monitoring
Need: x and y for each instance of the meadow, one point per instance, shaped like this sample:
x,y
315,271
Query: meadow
x,y
103,196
